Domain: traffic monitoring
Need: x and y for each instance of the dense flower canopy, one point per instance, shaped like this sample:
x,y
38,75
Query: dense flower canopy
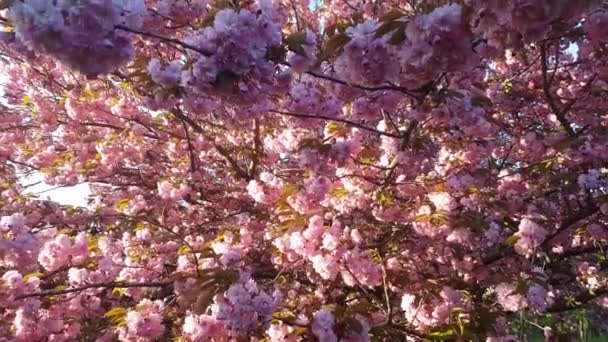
x,y
296,170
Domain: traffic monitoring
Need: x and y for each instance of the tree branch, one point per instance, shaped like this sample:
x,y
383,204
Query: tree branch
x,y
567,223
190,149
92,286
348,122
577,301
221,150
166,39
362,87
257,147
559,113
582,214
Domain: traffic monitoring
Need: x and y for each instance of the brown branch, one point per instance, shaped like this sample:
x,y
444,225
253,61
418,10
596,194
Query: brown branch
x,y
389,308
221,150
582,214
408,133
348,122
166,39
573,101
577,301
257,147
92,286
170,232
22,164
240,173
362,87
559,112
106,125
567,223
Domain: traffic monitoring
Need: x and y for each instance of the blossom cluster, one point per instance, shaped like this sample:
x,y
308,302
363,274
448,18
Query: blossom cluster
x,y
82,36
289,171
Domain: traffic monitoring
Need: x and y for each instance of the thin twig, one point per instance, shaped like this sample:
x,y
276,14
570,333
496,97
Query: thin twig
x,y
166,39
190,148
362,87
389,308
559,113
221,150
348,122
92,286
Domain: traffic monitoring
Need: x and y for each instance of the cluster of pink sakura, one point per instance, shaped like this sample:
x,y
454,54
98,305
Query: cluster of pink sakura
x,y
82,36
240,308
435,43
510,24
226,62
442,157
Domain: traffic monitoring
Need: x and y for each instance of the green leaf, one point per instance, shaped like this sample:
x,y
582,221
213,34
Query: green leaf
x,y
335,130
465,13
276,54
208,20
438,218
300,331
512,240
387,27
472,189
92,245
120,291
32,275
293,223
117,316
353,324
443,334
26,100
422,218
339,192
226,80
289,190
399,35
295,42
175,276
284,315
481,101
334,46
89,94
122,204
4,4
460,325
310,143
521,288
183,250
506,86
204,298
392,15
367,155
385,198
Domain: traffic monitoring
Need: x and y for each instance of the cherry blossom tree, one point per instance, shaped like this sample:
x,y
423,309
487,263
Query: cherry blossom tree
x,y
345,170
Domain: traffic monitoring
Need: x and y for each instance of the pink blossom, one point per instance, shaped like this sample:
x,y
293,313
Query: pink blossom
x,y
323,325
202,327
531,235
13,279
538,298
595,27
508,297
325,266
